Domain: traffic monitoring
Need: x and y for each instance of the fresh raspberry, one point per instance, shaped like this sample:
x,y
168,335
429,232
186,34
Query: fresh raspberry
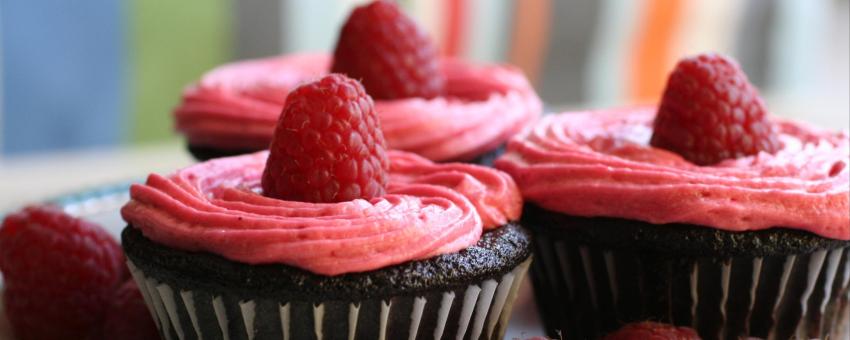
x,y
711,112
127,317
327,146
392,56
59,273
648,330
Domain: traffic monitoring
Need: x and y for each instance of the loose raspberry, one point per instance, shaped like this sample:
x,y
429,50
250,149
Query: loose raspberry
x,y
710,112
653,331
59,273
127,317
392,56
327,146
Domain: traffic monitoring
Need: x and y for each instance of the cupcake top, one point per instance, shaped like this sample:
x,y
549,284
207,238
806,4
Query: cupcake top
x,y
601,164
218,207
236,106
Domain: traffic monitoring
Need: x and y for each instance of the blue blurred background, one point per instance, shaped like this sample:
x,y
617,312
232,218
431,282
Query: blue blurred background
x,y
79,74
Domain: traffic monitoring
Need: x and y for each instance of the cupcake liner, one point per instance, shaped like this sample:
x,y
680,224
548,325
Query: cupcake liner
x,y
478,311
585,291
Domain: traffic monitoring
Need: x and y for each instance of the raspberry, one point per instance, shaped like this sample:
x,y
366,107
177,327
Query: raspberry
x,y
327,146
711,112
127,316
392,56
652,331
59,273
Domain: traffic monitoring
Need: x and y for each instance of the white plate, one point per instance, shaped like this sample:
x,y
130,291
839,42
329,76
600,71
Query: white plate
x,y
102,205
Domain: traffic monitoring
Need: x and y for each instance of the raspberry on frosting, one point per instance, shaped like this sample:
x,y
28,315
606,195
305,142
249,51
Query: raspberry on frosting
x,y
443,109
604,163
429,209
328,145
710,112
236,107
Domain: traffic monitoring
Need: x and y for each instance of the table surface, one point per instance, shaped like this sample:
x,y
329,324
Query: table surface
x,y
32,179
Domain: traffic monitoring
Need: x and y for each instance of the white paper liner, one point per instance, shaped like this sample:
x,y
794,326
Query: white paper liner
x,y
443,314
221,317
353,313
585,291
480,311
284,321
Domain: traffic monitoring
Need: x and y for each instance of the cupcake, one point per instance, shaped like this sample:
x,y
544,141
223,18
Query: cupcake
x,y
444,109
704,212
328,236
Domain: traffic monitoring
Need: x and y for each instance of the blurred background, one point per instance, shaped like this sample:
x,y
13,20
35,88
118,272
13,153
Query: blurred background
x,y
103,75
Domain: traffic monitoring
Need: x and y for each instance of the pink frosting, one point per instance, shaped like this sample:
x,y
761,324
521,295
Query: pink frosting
x,y
600,164
429,209
236,107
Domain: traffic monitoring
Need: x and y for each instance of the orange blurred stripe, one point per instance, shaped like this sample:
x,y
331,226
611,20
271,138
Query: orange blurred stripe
x,y
532,22
653,53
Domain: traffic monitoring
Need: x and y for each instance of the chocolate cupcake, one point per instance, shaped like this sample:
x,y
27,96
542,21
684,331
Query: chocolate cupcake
x,y
243,248
443,109
626,231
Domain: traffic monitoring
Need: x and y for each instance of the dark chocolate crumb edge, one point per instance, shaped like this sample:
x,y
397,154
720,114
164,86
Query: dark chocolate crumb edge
x,y
498,252
205,153
675,238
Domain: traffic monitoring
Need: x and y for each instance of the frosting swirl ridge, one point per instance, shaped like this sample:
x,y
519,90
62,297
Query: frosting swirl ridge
x,y
430,209
236,107
601,164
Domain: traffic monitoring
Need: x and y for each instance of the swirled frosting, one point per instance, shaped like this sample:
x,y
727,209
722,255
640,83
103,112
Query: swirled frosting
x,y
430,209
601,164
236,107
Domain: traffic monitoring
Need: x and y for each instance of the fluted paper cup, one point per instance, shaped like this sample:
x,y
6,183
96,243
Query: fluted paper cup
x,y
591,276
202,296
